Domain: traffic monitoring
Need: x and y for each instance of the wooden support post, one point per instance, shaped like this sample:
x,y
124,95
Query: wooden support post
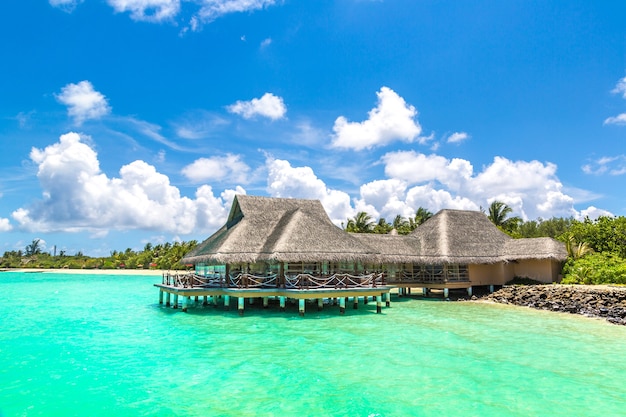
x,y
320,304
282,303
240,305
266,302
301,306
252,301
342,305
214,299
334,301
160,296
175,303
469,291
366,299
227,302
388,299
167,299
186,302
425,292
205,302
446,292
196,299
356,302
491,289
400,289
379,304
408,290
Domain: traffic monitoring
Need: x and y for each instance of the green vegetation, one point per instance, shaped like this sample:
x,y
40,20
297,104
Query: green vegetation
x,y
161,256
596,248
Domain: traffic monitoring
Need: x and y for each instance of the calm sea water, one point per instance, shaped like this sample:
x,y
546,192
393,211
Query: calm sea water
x,y
101,346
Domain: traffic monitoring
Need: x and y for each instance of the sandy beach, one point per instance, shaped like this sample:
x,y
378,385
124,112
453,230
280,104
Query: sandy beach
x,y
151,272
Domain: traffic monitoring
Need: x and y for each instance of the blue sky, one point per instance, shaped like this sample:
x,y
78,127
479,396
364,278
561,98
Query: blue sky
x,y
132,121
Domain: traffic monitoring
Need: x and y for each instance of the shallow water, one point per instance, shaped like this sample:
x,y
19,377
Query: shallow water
x,y
100,345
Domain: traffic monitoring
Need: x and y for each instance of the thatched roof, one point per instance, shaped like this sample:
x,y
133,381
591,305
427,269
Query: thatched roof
x,y
535,248
278,229
296,230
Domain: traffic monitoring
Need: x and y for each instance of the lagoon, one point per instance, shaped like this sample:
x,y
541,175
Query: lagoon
x,y
101,345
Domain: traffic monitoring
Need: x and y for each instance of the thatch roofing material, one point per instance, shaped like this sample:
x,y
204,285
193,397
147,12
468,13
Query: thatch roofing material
x,y
296,230
278,229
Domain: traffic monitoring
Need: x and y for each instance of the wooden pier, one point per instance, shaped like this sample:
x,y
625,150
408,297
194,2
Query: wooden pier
x,y
337,288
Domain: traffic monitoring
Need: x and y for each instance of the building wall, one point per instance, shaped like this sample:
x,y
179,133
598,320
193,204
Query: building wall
x,y
544,270
490,274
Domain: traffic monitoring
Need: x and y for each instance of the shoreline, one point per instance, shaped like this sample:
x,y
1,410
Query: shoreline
x,y
145,272
597,301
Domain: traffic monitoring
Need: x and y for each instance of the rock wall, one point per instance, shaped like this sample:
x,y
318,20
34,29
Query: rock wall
x,y
592,301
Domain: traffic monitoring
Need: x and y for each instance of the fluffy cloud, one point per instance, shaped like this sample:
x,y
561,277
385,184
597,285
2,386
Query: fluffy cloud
x,y
269,106
83,102
620,88
147,10
392,119
457,137
286,181
78,196
218,168
532,188
5,226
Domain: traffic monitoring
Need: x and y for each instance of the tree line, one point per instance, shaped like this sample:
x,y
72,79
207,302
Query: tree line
x,y
160,256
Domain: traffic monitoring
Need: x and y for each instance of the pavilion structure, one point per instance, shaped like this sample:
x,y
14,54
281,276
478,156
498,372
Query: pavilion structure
x,y
288,249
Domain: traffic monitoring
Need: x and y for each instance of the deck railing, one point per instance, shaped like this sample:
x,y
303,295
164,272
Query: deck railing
x,y
425,278
308,281
296,281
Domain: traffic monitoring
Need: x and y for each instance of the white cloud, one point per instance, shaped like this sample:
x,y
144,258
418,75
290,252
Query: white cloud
x,y
392,119
620,119
5,225
214,9
457,137
286,181
620,88
147,10
65,5
269,106
77,196
266,42
83,102
612,165
218,168
593,213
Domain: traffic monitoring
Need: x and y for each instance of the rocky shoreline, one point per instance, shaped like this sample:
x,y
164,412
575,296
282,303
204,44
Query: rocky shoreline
x,y
592,301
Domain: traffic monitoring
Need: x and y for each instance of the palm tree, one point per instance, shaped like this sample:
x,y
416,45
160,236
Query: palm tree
x,y
34,248
421,215
361,223
498,212
382,227
576,250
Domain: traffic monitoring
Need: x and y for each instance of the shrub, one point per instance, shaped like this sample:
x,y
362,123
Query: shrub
x,y
595,268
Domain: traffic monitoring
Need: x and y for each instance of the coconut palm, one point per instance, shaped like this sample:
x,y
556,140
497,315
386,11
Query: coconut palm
x,y
421,215
498,212
576,250
361,223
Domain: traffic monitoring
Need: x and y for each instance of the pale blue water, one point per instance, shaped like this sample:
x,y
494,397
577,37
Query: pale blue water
x,y
102,346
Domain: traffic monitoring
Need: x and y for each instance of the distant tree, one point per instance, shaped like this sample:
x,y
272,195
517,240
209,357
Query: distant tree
x,y
34,248
421,215
576,250
498,214
382,227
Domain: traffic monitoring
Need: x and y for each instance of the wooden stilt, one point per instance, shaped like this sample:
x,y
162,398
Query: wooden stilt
x,y
175,302
167,299
227,302
342,305
320,304
334,301
282,303
240,305
446,292
301,307
425,292
186,302
251,300
408,290
205,301
160,296
356,303
388,299
491,289
400,290
469,292
266,302
214,300
365,299
379,304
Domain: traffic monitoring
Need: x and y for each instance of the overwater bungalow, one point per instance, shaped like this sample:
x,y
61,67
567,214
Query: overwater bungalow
x,y
288,249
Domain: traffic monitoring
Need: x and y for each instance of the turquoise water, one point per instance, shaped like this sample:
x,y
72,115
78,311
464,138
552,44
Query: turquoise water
x,y
101,345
